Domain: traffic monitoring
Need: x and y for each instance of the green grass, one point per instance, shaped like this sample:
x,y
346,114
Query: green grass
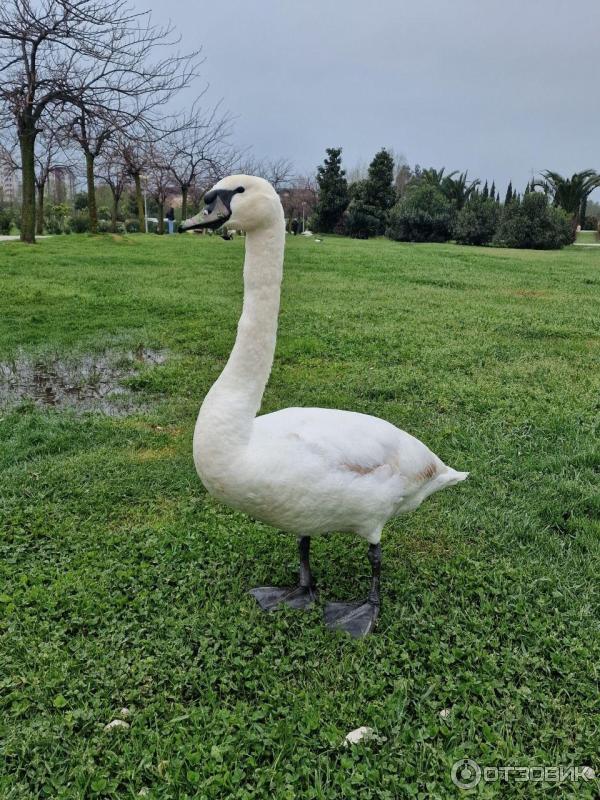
x,y
587,237
123,584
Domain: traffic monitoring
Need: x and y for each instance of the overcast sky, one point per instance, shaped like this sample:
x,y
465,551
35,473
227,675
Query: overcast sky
x,y
498,87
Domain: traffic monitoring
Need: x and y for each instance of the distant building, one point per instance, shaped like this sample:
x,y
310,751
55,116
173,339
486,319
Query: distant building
x,y
10,187
61,185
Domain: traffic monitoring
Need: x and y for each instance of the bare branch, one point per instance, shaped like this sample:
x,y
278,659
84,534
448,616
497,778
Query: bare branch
x,y
101,58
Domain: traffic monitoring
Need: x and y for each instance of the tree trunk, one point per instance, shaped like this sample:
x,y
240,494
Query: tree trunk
x,y
115,213
140,202
184,201
27,143
161,218
91,189
583,212
39,217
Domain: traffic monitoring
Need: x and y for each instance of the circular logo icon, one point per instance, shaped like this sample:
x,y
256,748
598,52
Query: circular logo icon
x,y
466,773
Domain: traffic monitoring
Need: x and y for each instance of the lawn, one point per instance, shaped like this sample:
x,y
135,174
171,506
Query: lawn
x,y
587,237
123,585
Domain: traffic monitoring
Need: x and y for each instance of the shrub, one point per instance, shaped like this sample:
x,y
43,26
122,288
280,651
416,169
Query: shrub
x,y
57,217
477,221
424,214
80,222
534,224
132,226
6,219
81,201
362,220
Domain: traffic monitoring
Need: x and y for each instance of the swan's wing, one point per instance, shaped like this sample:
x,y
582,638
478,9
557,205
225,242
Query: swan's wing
x,y
355,443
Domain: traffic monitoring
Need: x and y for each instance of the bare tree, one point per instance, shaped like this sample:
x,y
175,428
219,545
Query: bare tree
x,y
278,171
299,198
62,51
48,156
403,177
9,149
358,172
113,172
160,180
134,152
199,148
91,130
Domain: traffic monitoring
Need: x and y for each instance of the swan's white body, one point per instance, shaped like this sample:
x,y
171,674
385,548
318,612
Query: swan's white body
x,y
308,471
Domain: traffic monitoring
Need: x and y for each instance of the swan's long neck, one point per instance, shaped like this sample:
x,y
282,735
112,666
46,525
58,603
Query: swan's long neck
x,y
227,414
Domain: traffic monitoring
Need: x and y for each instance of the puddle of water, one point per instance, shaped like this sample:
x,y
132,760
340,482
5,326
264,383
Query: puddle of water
x,y
88,383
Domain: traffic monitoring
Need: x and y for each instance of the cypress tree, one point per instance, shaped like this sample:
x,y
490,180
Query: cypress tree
x,y
379,187
509,194
493,190
333,192
485,193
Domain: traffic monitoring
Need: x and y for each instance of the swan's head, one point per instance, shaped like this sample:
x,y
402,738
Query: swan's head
x,y
243,202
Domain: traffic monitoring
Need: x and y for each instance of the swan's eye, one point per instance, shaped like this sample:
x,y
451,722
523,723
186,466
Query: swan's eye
x,y
240,189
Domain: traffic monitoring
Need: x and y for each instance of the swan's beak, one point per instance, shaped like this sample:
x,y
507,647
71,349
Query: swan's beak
x,y
215,214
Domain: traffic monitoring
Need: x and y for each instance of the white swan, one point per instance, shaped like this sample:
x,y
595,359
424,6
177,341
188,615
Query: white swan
x,y
308,471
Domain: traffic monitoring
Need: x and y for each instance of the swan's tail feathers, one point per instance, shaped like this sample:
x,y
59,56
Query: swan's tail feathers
x,y
451,477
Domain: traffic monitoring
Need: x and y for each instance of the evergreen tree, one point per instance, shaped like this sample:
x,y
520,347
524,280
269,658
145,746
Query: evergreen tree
x,y
534,223
424,214
372,199
493,191
476,223
333,192
379,188
509,194
583,212
485,194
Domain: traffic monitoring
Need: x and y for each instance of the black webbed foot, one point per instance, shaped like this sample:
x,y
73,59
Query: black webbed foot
x,y
270,598
357,619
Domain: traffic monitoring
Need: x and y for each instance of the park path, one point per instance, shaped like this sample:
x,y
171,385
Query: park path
x,y
16,238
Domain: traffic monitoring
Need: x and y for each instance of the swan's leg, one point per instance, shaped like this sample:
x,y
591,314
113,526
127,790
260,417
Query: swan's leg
x,y
358,619
269,598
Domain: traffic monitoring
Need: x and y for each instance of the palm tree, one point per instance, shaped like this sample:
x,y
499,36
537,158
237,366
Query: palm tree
x,y
457,189
571,194
435,177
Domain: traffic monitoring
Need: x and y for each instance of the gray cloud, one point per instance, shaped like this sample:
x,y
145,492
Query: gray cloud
x,y
498,87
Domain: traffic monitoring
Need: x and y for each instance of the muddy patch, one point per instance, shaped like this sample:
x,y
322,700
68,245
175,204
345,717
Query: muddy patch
x,y
93,382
